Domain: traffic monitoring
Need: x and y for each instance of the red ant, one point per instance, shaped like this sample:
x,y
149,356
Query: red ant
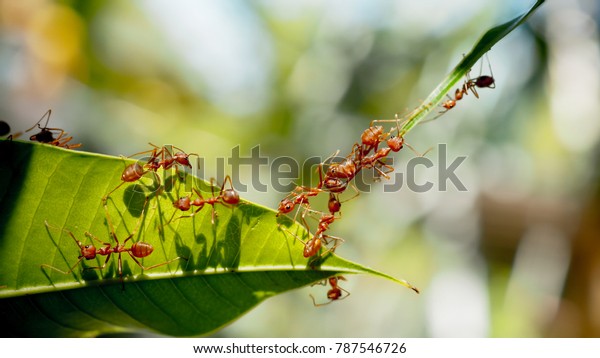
x,y
470,84
350,166
167,159
483,81
314,244
159,158
335,293
300,194
47,136
131,173
89,252
225,196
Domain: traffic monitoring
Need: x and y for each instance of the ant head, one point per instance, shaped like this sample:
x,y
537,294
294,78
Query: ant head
x,y
332,170
88,251
230,196
395,143
285,206
183,159
182,203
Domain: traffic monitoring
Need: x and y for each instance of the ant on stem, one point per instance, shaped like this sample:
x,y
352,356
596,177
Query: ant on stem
x,y
46,134
335,293
89,252
482,81
470,84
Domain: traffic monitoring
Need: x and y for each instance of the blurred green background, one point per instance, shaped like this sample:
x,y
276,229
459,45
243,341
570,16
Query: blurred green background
x,y
516,255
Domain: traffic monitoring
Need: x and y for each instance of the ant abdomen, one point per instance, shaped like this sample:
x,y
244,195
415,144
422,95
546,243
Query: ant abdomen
x,y
132,173
141,249
484,81
230,196
312,247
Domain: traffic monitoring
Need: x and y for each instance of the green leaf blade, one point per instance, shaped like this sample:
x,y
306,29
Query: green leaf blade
x,y
485,43
232,265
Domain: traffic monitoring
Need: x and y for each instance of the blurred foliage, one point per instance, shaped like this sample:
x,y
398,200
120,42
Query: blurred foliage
x,y
514,256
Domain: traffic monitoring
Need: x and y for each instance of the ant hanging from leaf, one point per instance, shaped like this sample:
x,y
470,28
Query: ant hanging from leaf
x,y
335,293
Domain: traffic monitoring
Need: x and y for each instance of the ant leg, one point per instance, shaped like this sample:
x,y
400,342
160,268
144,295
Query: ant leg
x,y
77,242
105,197
395,120
417,153
109,221
156,265
294,235
319,304
61,271
47,114
155,152
338,242
65,230
91,236
137,225
99,267
378,164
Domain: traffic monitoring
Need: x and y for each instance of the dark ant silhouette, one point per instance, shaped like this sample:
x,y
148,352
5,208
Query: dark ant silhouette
x,y
89,252
335,293
470,84
4,128
482,81
46,135
225,197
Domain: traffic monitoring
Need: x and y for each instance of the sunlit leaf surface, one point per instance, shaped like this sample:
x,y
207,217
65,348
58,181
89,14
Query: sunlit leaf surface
x,y
232,265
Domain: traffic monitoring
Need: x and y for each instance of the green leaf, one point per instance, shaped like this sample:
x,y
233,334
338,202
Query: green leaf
x,y
485,43
232,265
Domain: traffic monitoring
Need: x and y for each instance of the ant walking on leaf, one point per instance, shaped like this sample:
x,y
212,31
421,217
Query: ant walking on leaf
x,y
136,251
160,157
226,196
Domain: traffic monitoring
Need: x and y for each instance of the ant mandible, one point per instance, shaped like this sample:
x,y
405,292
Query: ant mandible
x,y
46,134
